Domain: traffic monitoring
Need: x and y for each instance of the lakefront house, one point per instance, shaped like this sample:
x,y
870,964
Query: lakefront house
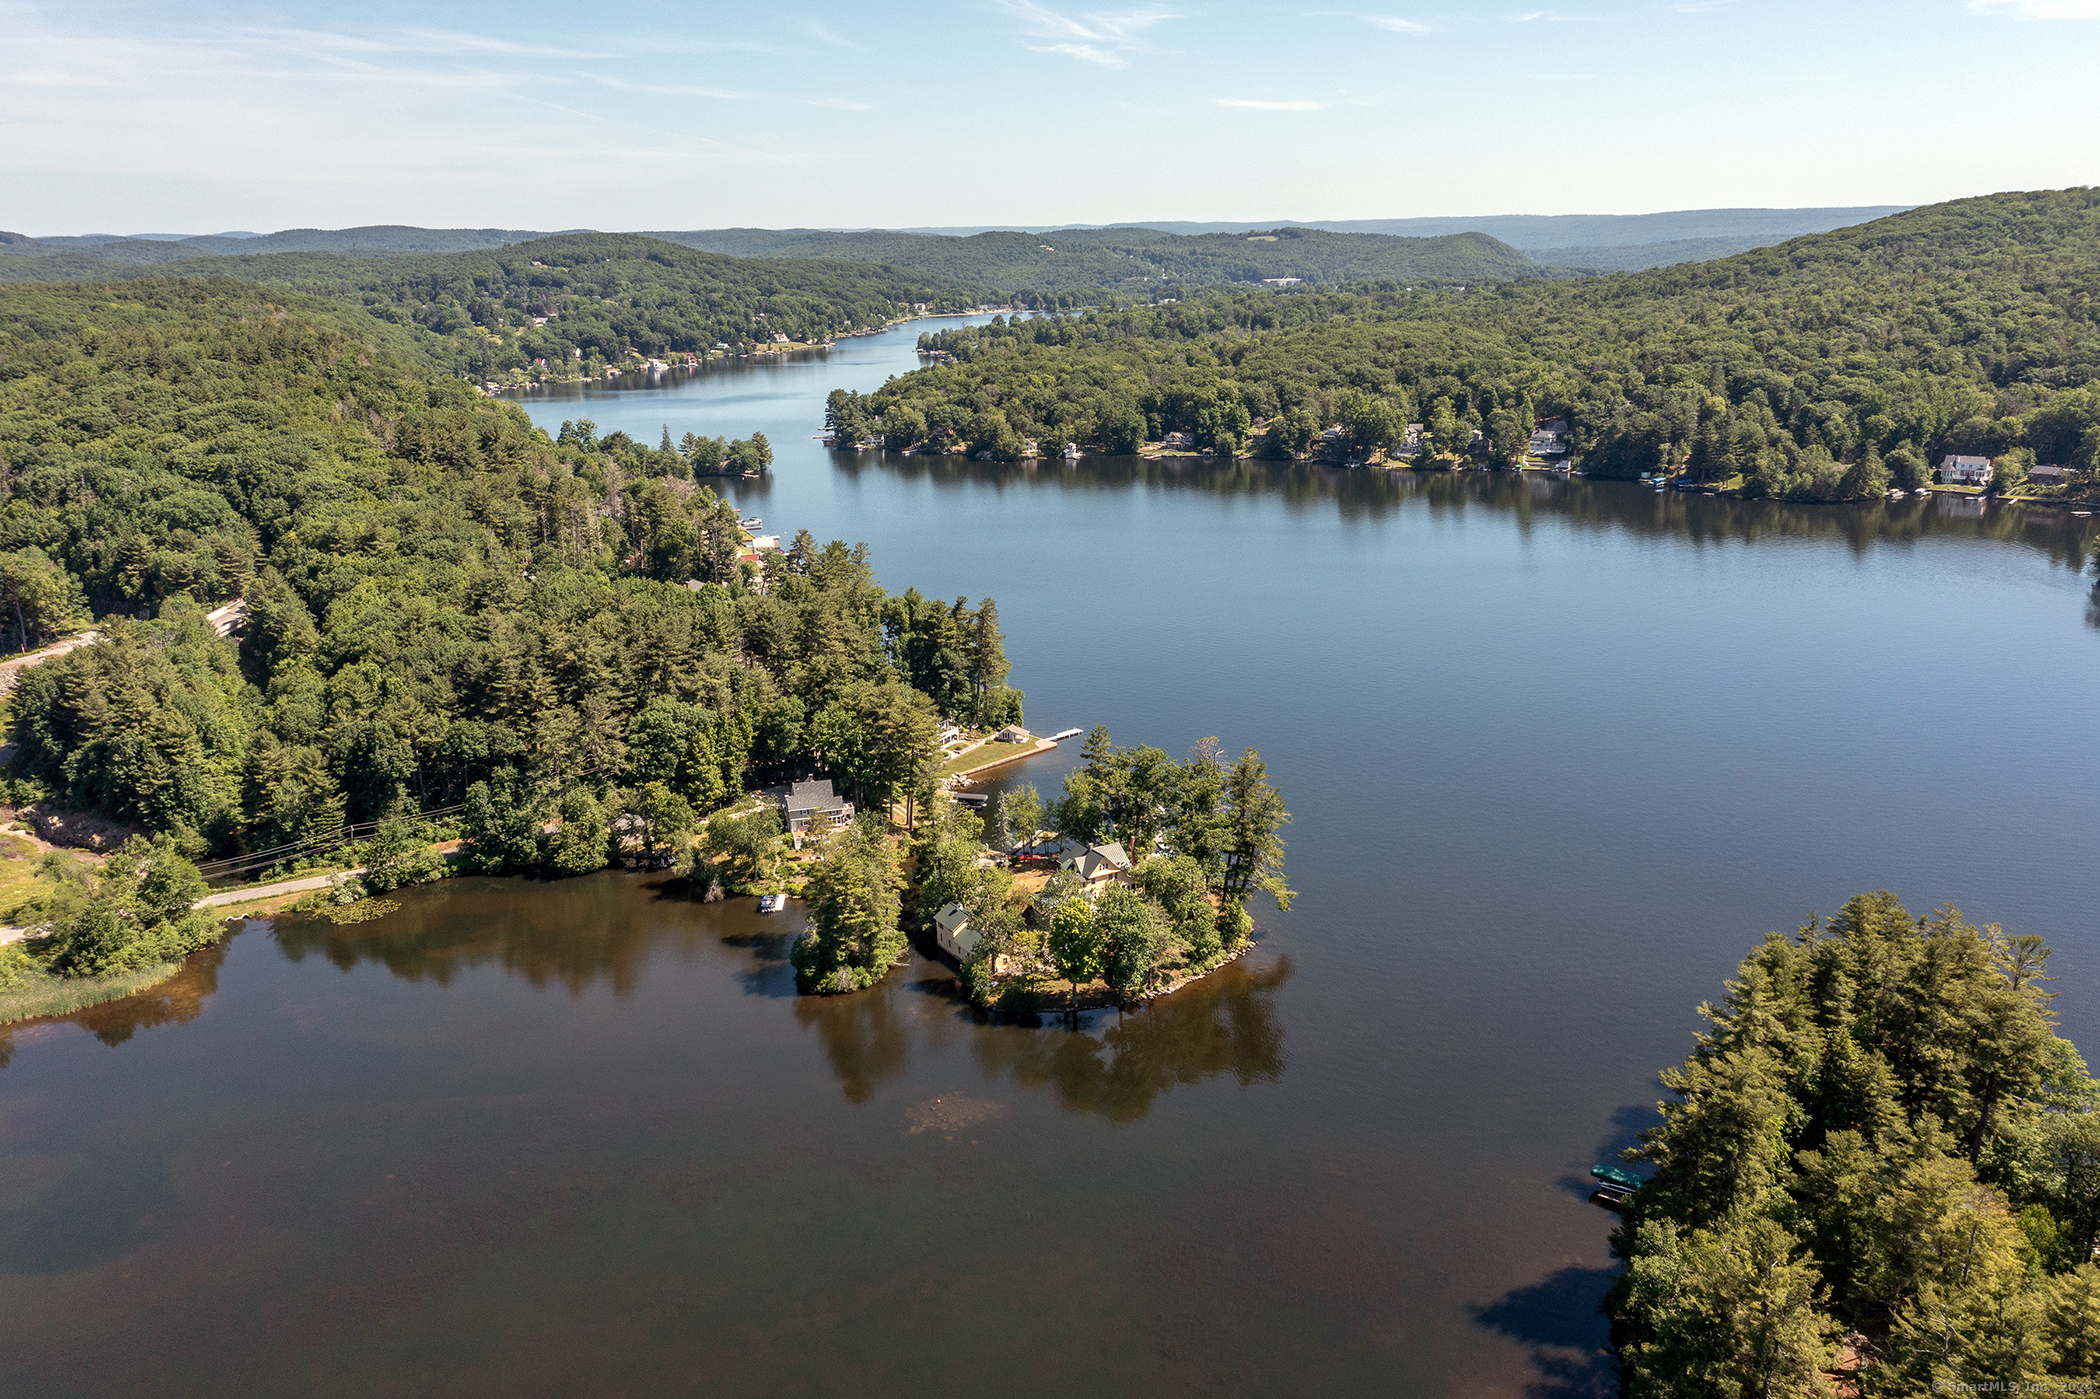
x,y
1965,471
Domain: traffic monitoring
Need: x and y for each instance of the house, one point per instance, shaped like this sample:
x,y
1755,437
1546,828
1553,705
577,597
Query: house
x,y
762,543
950,731
1096,864
2051,475
779,338
812,804
1966,471
1013,733
1550,438
953,931
1280,281
1175,439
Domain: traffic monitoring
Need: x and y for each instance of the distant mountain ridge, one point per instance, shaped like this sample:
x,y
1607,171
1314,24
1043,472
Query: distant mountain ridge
x,y
1584,242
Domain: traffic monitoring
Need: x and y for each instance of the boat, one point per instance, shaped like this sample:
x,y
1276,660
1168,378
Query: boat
x,y
771,903
1612,1178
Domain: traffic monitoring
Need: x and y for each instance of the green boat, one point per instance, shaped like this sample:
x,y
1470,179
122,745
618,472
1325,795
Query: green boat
x,y
1616,1178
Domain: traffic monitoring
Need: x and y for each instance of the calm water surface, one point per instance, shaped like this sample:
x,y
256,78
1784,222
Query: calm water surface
x,y
1559,753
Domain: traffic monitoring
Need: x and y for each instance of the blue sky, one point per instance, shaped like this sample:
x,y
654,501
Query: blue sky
x,y
197,117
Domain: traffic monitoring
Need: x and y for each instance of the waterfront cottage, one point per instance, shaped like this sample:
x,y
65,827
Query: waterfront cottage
x,y
1097,864
952,930
2051,474
812,805
1013,733
1550,438
1965,471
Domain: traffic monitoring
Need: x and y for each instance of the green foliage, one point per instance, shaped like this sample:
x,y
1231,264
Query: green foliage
x,y
579,843
398,854
1845,1151
750,843
1961,327
137,913
439,599
1076,948
855,900
16,966
1127,927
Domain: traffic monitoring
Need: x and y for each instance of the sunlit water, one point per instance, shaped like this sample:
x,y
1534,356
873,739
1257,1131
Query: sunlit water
x,y
1559,753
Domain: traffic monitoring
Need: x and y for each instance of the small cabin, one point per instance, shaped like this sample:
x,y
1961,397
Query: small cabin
x,y
955,934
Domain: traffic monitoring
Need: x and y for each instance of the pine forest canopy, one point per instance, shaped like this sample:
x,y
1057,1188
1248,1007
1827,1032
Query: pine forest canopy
x,y
1826,368
444,608
1881,1145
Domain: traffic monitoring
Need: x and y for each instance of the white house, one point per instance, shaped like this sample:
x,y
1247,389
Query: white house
x,y
952,930
1013,733
1550,438
1966,471
1280,281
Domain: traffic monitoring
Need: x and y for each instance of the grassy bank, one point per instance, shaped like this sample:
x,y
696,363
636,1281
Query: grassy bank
x,y
41,994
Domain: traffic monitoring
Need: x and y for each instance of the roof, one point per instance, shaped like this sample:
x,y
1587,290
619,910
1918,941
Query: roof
x,y
1951,460
812,796
1096,860
952,917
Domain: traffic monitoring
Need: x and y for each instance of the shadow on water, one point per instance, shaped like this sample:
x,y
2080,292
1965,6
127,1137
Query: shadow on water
x,y
1627,1124
1560,1319
1224,1024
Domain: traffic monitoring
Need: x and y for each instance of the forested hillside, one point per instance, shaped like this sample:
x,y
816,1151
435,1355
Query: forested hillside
x,y
1825,368
1881,1163
603,297
1079,266
443,606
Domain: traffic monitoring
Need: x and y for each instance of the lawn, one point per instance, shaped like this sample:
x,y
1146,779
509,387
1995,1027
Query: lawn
x,y
980,755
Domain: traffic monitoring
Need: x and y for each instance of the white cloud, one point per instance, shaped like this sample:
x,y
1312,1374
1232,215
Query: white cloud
x,y
1555,17
2039,9
1252,104
1401,26
1094,37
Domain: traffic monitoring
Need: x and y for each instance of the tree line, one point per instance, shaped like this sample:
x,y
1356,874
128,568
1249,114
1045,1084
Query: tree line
x,y
1831,367
1880,1162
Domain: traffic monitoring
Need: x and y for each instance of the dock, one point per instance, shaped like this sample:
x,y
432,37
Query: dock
x,y
1061,735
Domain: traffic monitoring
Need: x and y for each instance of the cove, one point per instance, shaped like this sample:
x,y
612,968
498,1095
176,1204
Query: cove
x,y
1559,752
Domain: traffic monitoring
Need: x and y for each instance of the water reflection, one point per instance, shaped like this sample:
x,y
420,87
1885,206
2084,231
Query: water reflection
x,y
176,1001
1620,505
572,932
866,1037
1225,1024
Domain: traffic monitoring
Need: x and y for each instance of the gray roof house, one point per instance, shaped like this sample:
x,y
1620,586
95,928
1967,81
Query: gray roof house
x,y
815,803
1097,862
952,930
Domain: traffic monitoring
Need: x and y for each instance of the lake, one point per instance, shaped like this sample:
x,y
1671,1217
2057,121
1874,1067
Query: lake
x,y
1559,753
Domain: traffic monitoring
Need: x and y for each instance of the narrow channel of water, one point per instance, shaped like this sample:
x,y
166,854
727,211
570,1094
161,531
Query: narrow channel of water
x,y
1559,752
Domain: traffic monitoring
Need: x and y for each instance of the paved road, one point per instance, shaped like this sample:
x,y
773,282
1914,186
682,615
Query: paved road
x,y
265,891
